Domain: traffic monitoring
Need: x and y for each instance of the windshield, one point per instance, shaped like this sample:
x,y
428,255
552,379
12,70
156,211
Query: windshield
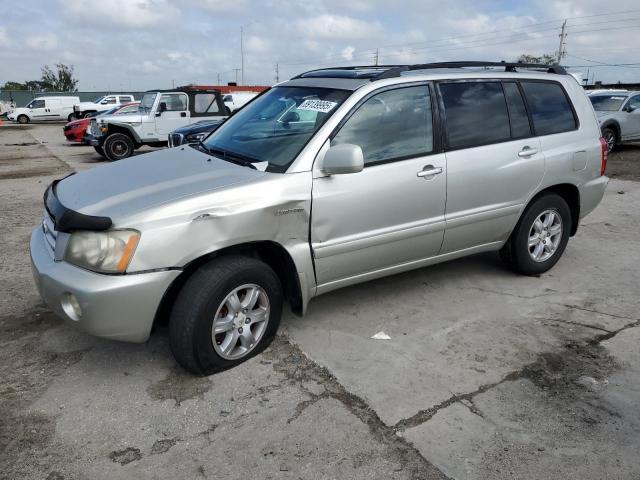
x,y
276,126
607,103
98,100
147,101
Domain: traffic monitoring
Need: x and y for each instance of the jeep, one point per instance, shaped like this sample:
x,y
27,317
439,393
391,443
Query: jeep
x,y
335,177
160,112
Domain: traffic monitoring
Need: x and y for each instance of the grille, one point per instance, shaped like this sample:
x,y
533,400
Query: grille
x,y
50,233
175,139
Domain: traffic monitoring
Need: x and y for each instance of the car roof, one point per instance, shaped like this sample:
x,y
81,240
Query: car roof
x,y
352,78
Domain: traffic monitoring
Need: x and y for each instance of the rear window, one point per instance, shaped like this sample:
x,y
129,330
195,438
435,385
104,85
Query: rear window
x,y
476,113
550,109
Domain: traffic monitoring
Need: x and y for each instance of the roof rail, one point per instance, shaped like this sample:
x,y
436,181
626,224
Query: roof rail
x,y
379,72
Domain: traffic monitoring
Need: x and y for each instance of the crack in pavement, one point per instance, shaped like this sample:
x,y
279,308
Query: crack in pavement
x,y
466,399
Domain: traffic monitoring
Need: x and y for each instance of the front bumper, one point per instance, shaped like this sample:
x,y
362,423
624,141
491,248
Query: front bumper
x,y
119,307
75,135
91,139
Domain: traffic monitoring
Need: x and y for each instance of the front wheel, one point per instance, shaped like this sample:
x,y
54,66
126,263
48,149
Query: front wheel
x,y
118,146
71,117
611,137
540,237
23,119
227,312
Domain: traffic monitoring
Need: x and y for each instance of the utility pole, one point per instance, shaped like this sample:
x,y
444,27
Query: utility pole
x,y
236,70
277,74
219,80
241,56
375,58
563,42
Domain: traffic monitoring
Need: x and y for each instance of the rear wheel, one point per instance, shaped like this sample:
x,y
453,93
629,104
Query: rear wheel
x,y
611,137
71,117
100,151
540,236
227,312
85,115
23,119
118,146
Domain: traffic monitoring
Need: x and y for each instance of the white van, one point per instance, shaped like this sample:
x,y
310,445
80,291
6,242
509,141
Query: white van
x,y
45,109
235,100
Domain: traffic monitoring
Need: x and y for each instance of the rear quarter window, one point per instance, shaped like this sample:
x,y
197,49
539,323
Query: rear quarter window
x,y
549,106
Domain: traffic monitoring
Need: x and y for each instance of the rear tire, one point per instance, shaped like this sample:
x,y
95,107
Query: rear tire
x,y
23,119
71,117
611,137
207,299
118,146
85,115
540,237
100,151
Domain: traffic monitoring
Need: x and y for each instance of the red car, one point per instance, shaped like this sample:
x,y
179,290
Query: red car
x,y
74,131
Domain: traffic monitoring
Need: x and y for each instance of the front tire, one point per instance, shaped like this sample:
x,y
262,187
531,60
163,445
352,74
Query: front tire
x,y
71,117
611,137
23,119
99,151
227,312
118,146
540,237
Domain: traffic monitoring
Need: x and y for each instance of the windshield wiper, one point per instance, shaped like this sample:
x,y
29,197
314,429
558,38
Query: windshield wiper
x,y
229,156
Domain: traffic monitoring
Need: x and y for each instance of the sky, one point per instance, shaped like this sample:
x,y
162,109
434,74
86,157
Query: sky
x,y
143,44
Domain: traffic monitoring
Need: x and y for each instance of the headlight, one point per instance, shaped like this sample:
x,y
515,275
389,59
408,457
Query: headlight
x,y
196,137
106,252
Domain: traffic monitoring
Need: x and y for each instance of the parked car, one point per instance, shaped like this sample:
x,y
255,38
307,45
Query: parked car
x,y
405,166
102,104
193,133
237,100
45,109
618,113
160,112
75,130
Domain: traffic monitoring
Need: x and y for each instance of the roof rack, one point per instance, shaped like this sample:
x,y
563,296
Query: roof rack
x,y
379,72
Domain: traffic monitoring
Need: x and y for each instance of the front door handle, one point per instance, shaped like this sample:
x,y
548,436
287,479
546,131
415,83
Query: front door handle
x,y
183,114
527,152
429,171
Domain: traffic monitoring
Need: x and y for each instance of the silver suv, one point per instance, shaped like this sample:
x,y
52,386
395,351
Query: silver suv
x,y
618,113
335,177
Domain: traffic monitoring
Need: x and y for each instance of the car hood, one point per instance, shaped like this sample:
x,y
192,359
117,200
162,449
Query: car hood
x,y
141,182
122,118
199,127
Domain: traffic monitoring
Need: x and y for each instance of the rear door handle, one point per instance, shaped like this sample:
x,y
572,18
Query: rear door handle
x,y
429,170
527,152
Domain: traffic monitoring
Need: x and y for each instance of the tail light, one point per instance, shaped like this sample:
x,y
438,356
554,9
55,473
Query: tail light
x,y
603,162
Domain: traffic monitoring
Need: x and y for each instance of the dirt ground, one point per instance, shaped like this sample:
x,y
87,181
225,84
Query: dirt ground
x,y
487,375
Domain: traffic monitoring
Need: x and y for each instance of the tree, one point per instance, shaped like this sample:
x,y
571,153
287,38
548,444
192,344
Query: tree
x,y
545,59
14,86
62,81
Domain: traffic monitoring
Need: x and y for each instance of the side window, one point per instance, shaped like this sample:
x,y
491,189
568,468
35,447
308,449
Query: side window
x,y
176,102
227,98
549,107
110,100
37,104
391,125
634,102
205,103
476,113
520,127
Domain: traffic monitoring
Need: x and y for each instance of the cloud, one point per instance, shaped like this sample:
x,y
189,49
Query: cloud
x,y
338,27
4,38
127,13
45,42
347,53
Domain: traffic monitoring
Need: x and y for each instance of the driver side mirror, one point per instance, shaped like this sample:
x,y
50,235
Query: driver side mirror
x,y
104,102
629,108
161,108
341,159
290,117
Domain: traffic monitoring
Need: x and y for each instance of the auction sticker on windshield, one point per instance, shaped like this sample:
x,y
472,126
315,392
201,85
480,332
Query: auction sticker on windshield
x,y
323,106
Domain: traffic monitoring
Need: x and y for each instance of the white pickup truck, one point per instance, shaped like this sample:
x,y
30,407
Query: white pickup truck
x,y
102,104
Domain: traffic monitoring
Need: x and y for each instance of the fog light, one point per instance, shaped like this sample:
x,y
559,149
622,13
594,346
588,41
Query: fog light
x,y
71,306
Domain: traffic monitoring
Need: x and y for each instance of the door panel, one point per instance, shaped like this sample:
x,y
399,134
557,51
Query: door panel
x,y
176,115
487,187
630,121
383,216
